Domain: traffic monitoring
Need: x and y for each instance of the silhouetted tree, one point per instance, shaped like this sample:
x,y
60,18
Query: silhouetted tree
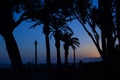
x,y
73,43
69,41
107,27
103,18
46,31
81,12
59,26
44,15
7,26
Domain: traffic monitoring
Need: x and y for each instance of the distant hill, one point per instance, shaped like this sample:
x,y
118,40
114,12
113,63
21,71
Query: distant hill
x,y
91,59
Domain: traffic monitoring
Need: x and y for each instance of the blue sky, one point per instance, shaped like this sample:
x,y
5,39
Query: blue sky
x,y
25,38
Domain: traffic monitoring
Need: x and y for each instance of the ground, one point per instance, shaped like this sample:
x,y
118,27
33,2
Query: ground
x,y
85,71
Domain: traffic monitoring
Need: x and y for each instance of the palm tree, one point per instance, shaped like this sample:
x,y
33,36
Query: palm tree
x,y
42,16
46,31
58,26
69,41
74,42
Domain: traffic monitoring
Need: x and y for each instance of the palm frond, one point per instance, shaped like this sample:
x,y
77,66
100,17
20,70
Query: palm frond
x,y
70,41
36,24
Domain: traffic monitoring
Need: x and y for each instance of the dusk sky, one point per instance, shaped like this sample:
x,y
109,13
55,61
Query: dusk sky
x,y
25,38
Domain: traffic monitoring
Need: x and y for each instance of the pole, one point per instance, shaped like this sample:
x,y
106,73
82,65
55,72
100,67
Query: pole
x,y
35,53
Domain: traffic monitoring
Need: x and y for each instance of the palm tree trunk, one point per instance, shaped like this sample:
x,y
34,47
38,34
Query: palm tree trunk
x,y
66,57
48,49
58,56
58,52
74,58
46,30
66,54
13,51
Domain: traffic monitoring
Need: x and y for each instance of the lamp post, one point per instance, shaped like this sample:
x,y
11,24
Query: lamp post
x,y
35,53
